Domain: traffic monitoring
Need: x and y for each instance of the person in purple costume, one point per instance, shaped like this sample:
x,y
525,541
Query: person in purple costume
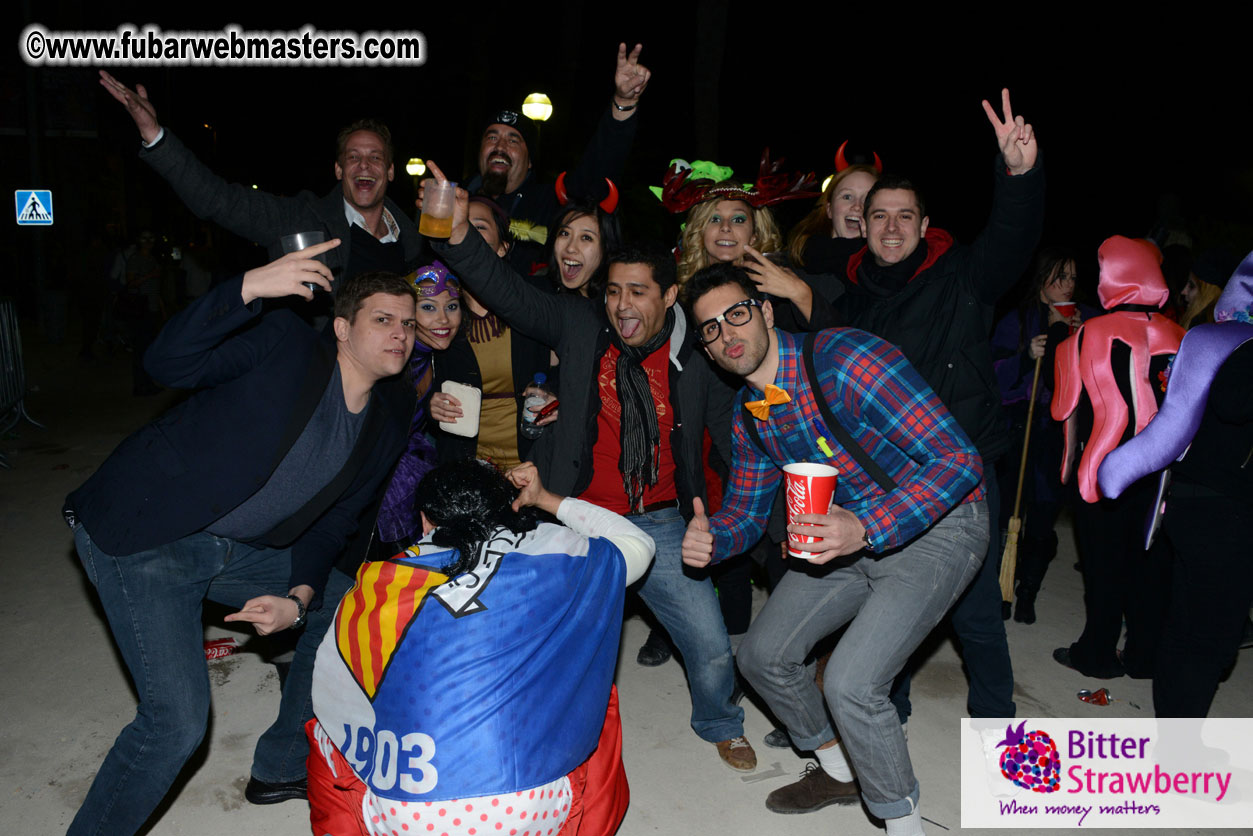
x,y
439,318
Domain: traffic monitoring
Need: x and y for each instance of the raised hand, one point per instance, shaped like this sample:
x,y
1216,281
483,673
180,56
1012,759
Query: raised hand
x,y
137,105
287,275
1015,137
460,209
770,277
778,281
698,542
525,477
630,78
839,533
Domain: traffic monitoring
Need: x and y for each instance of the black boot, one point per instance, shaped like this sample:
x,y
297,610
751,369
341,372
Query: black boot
x,y
1025,611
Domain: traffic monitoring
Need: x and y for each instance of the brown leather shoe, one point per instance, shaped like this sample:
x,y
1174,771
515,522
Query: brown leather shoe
x,y
737,753
815,790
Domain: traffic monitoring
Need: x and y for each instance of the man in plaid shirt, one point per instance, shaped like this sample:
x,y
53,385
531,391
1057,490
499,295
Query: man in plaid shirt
x,y
889,563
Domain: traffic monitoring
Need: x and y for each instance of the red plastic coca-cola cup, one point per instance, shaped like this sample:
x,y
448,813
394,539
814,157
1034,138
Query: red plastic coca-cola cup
x,y
809,488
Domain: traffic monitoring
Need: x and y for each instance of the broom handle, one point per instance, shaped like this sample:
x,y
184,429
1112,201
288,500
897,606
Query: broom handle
x,y
1026,436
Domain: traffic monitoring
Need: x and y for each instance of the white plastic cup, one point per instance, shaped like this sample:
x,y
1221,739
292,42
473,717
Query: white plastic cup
x,y
438,199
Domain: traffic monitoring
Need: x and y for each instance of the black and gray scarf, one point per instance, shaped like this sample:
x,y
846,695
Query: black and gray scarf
x,y
639,432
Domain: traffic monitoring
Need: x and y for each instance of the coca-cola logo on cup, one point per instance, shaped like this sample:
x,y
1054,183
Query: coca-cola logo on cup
x,y
797,491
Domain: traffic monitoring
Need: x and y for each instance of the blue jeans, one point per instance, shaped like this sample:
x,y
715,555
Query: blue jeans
x,y
153,601
687,607
281,751
892,602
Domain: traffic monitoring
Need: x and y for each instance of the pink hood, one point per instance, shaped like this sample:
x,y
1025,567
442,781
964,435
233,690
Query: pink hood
x,y
1131,273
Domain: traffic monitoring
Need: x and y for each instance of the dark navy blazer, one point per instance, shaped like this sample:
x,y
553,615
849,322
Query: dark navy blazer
x,y
258,380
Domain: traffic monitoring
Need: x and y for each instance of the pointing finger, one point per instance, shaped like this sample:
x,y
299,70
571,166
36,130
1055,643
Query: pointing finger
x,y
317,249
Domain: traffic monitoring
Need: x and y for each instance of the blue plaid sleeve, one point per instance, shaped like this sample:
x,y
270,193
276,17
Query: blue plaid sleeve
x,y
748,497
885,398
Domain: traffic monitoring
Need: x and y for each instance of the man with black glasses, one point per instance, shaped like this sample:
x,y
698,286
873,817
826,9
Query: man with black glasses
x,y
906,531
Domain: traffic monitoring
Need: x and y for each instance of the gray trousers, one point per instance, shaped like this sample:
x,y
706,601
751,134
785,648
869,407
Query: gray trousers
x,y
890,603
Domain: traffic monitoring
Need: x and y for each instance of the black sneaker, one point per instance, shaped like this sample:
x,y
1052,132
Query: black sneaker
x,y
778,739
259,792
655,650
1062,656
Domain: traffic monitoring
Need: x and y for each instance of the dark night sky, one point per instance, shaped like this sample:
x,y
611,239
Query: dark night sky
x,y
1124,111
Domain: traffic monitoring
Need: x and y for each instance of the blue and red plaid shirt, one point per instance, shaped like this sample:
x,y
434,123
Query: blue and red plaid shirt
x,y
892,413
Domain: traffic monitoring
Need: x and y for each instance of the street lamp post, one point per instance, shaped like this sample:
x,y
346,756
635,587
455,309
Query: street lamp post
x,y
537,107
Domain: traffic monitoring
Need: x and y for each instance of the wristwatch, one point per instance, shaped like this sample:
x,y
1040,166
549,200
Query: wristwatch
x,y
300,613
865,538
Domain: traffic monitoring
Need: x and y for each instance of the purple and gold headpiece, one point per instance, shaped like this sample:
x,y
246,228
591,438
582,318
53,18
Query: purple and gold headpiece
x,y
440,278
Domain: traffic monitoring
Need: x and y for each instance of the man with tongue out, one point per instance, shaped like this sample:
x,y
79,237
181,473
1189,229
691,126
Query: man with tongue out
x,y
636,397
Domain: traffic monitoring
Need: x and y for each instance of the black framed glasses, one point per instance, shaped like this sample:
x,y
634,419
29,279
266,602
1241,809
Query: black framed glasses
x,y
739,314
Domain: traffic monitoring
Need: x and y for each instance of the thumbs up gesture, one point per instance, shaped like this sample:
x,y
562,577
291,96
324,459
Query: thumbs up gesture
x,y
698,542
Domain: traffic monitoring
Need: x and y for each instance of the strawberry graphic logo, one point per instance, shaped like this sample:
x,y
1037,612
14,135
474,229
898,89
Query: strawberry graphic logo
x,y
1030,759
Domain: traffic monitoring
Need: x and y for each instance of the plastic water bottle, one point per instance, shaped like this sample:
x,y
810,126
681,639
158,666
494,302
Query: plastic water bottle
x,y
529,428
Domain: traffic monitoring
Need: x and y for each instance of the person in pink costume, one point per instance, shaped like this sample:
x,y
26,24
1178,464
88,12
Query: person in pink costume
x,y
1107,380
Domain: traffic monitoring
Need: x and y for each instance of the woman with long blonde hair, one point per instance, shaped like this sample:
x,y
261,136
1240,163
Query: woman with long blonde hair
x,y
731,222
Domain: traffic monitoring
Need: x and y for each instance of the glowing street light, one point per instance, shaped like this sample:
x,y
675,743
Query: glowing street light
x,y
537,107
416,167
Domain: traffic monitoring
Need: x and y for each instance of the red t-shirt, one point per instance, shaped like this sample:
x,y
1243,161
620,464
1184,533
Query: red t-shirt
x,y
606,488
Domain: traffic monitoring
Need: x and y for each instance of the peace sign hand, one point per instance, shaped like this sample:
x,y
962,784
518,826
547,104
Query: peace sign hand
x,y
630,77
1014,136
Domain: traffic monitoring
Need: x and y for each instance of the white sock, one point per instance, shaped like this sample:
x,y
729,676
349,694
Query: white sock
x,y
834,763
910,825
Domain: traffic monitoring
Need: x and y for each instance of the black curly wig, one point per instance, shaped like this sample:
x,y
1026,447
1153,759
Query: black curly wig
x,y
467,500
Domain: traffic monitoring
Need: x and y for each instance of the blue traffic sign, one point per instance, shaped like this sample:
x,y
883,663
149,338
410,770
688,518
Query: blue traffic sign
x,y
33,207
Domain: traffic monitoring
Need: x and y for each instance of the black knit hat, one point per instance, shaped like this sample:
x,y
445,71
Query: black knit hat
x,y
516,121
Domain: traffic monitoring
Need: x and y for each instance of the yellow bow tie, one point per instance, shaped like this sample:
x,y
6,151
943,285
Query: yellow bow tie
x,y
761,409
528,231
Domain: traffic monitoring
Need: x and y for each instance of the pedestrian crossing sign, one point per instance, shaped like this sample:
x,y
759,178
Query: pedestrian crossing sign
x,y
33,207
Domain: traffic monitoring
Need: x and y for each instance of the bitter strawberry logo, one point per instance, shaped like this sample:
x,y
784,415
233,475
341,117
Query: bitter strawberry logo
x,y
1030,759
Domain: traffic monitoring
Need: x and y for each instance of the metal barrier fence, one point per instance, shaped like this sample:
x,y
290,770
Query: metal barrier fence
x,y
12,373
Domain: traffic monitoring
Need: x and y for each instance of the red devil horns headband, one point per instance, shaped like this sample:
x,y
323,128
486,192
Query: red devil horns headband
x,y
841,162
609,204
